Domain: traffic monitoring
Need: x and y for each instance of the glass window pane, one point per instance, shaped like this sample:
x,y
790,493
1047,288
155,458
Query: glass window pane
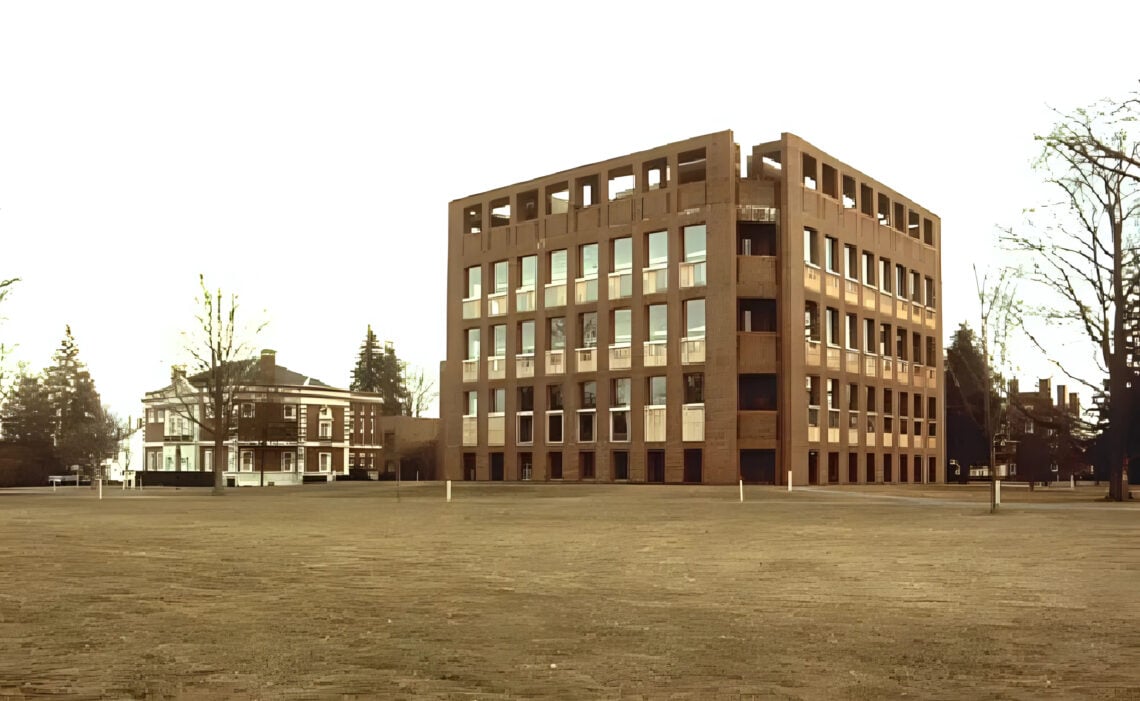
x,y
658,322
501,271
695,243
657,390
589,329
528,271
526,337
472,344
589,395
500,337
658,248
557,333
695,318
620,395
589,260
558,266
474,282
623,254
622,326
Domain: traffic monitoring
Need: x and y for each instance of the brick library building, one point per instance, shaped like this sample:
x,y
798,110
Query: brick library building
x,y
669,316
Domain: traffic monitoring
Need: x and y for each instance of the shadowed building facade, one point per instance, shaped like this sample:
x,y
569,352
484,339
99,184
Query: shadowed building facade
x,y
662,317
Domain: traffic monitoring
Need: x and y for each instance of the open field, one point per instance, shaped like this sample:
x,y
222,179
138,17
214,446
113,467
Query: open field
x,y
569,591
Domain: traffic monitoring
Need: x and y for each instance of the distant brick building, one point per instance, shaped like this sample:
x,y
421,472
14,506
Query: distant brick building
x,y
291,428
1043,433
660,317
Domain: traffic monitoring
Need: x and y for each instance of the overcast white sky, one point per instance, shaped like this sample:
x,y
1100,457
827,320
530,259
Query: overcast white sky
x,y
302,155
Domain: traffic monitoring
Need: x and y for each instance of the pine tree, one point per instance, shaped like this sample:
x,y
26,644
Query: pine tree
x,y
28,413
965,401
83,432
366,374
379,370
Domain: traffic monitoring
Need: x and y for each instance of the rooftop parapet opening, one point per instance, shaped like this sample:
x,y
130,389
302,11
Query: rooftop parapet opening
x,y
500,212
558,198
620,183
691,166
655,174
473,219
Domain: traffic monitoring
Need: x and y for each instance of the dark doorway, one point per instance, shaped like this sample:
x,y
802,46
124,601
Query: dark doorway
x,y
813,467
497,467
853,468
833,468
758,466
655,465
903,468
621,464
555,466
586,465
871,477
931,470
888,461
526,466
469,467
694,459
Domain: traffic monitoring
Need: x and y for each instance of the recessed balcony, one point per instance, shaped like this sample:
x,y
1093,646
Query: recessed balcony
x,y
525,299
692,274
692,422
524,365
471,370
692,351
555,362
654,280
620,356
496,367
655,353
472,308
497,304
586,359
586,290
555,294
655,427
621,284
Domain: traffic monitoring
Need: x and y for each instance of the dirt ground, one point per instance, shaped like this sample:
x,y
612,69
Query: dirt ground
x,y
569,591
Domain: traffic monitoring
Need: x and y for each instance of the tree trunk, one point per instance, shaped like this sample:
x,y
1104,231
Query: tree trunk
x,y
219,466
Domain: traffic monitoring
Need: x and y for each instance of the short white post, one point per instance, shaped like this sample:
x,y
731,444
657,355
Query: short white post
x,y
1072,482
789,480
53,484
997,492
100,480
448,490
741,491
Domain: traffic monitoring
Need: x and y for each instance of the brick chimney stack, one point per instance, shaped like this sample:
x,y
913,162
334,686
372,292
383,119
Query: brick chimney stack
x,y
267,367
1045,388
1061,395
1074,404
1013,388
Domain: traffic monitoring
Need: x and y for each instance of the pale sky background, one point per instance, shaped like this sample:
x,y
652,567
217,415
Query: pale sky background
x,y
302,155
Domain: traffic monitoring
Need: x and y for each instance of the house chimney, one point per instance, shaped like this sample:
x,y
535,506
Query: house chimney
x,y
1045,388
1013,388
177,372
1061,394
1074,404
267,368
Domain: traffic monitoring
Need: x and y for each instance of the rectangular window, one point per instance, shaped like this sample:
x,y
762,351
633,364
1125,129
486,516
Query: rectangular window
x,y
622,326
811,247
247,410
885,340
474,276
499,335
207,460
811,321
928,298
558,266
622,254
656,386
619,427
557,336
885,275
554,427
526,337
658,322
587,420
831,254
694,242
471,401
526,398
588,329
657,249
554,397
852,332
588,260
325,428
695,388
832,326
528,271
290,412
900,280
869,336
589,398
850,262
247,461
915,287
472,344
286,461
502,276
620,392
694,318
325,462
868,269
498,404
524,427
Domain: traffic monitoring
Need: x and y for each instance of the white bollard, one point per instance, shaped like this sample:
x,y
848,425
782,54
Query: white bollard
x,y
741,491
449,491
997,492
1072,482
100,480
789,480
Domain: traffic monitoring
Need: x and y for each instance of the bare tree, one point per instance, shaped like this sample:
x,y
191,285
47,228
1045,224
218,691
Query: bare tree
x,y
1081,253
5,288
221,367
419,391
997,307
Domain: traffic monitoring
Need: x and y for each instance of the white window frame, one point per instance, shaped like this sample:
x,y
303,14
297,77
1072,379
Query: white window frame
x,y
628,424
208,460
562,418
288,460
519,416
594,419
324,430
290,412
324,462
247,466
247,410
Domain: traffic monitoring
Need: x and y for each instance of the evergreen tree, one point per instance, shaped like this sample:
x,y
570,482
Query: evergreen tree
x,y
379,370
965,402
84,433
28,413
